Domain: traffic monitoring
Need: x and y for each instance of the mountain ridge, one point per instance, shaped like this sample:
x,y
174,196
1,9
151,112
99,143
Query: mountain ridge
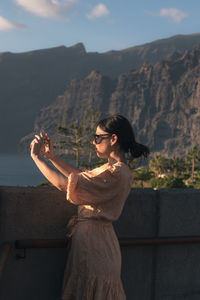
x,y
33,80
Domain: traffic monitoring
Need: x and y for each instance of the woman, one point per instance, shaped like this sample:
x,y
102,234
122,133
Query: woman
x,y
94,261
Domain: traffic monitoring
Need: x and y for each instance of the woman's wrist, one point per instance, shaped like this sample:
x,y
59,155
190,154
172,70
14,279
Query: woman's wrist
x,y
35,156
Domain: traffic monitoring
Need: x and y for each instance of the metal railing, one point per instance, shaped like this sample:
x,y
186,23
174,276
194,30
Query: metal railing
x,y
124,242
159,240
6,247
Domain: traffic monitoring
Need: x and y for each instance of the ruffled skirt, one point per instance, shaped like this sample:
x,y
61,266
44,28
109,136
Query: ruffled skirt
x,y
93,267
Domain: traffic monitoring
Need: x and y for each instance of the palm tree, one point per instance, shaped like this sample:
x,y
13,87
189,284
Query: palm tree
x,y
158,164
143,174
89,121
73,134
79,136
192,156
176,164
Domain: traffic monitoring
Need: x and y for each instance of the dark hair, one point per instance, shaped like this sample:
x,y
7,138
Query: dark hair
x,y
119,125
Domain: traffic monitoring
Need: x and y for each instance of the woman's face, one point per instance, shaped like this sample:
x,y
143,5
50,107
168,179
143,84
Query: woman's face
x,y
104,144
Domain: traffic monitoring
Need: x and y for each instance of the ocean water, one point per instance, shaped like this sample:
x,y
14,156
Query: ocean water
x,y
19,170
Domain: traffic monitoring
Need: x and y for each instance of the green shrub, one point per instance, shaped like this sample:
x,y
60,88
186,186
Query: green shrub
x,y
174,182
45,183
157,183
168,181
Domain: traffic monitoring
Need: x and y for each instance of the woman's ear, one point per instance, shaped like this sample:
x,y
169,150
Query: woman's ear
x,y
114,139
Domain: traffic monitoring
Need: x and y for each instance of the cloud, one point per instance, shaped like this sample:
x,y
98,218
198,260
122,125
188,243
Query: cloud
x,y
8,25
174,14
53,9
99,11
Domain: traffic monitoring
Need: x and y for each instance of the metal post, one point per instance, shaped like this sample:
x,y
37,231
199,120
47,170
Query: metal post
x,y
5,249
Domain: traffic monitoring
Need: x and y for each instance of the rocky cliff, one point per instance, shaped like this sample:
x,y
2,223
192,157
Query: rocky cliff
x,y
33,80
161,101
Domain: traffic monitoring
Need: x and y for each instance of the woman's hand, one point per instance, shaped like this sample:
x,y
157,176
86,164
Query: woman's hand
x,y
42,145
48,148
37,146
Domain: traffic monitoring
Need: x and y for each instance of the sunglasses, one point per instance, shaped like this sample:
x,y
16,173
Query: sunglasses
x,y
99,137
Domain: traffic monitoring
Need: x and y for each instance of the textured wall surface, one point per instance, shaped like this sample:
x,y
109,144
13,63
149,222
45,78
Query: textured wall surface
x,y
158,272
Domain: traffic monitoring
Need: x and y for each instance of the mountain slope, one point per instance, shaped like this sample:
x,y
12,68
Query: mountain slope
x,y
32,80
161,101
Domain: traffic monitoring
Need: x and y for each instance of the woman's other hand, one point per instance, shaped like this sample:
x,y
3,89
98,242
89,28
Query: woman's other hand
x,y
48,148
41,145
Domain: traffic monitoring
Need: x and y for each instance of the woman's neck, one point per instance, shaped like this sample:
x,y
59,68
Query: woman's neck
x,y
116,157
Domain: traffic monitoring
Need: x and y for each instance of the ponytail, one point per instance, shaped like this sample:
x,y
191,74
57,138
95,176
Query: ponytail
x,y
137,150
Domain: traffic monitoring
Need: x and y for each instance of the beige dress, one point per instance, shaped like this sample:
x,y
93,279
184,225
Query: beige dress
x,y
93,270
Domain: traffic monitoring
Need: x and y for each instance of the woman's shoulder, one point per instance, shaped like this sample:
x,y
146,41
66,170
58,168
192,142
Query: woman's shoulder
x,y
120,165
116,168
123,168
98,170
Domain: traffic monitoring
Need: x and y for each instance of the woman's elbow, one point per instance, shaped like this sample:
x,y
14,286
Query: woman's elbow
x,y
61,187
62,184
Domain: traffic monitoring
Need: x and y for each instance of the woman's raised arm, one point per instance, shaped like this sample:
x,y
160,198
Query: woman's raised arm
x,y
61,165
56,178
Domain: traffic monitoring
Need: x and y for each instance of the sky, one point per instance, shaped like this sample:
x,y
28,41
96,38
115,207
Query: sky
x,y
101,26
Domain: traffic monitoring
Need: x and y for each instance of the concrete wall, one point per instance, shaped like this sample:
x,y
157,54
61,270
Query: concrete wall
x,y
167,272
